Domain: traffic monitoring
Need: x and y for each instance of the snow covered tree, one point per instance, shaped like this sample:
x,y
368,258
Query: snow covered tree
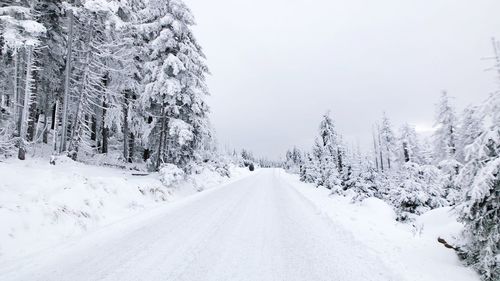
x,y
445,144
310,172
471,125
294,160
409,147
426,151
480,207
327,153
388,145
51,61
174,82
445,136
418,189
366,182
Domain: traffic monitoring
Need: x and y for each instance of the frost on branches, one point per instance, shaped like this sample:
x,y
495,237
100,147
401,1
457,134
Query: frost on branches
x,y
123,80
480,209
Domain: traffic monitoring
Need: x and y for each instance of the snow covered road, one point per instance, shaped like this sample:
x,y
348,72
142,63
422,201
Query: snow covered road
x,y
258,228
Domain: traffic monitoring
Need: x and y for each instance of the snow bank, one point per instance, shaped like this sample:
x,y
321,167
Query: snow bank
x,y
412,251
42,205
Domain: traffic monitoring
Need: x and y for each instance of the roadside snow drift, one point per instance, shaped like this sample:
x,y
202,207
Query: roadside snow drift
x,y
410,250
42,205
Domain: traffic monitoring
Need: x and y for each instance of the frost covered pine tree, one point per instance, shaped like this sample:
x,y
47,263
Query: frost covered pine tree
x,y
326,152
174,73
471,125
480,181
310,171
409,146
445,145
388,144
294,160
419,188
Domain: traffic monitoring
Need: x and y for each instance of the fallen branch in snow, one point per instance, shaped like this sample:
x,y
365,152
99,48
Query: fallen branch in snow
x,y
442,241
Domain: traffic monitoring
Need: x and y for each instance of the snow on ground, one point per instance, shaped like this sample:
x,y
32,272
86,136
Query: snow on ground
x,y
256,228
42,205
412,251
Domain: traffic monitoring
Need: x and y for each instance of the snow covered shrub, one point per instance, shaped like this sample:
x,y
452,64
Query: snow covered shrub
x,y
222,168
450,169
218,164
309,172
170,174
366,185
294,161
419,189
435,185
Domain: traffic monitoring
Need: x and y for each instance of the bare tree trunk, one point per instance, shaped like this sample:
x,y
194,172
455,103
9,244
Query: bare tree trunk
x,y
162,133
69,50
131,151
105,129
388,159
15,100
54,140
406,152
26,105
126,153
380,149
375,149
45,133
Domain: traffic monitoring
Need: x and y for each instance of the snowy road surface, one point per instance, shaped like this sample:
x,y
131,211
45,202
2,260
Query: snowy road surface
x,y
258,228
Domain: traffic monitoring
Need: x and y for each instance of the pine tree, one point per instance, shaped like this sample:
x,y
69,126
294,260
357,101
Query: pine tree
x,y
310,173
445,136
388,146
445,145
471,125
480,180
419,188
326,152
51,62
409,147
174,82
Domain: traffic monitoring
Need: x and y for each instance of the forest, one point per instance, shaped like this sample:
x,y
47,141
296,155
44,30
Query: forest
x,y
103,77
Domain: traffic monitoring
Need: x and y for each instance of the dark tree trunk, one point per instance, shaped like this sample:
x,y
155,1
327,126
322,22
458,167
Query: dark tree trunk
x,y
32,122
131,152
54,113
105,129
161,144
93,129
45,133
406,152
126,142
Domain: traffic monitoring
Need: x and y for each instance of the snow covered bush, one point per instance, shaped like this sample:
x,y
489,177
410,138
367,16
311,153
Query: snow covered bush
x,y
170,174
294,161
365,185
450,169
418,190
309,172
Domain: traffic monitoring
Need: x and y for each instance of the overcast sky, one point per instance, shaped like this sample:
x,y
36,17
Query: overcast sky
x,y
278,65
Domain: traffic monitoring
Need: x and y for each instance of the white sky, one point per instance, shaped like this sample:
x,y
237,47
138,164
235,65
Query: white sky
x,y
278,65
